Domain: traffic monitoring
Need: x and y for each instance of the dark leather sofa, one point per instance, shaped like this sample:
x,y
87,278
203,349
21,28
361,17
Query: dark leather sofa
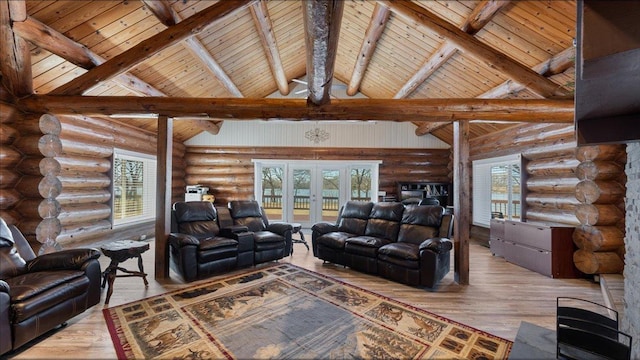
x,y
206,239
409,244
39,293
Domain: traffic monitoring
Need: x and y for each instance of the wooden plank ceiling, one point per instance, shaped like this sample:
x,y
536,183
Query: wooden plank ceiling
x,y
251,49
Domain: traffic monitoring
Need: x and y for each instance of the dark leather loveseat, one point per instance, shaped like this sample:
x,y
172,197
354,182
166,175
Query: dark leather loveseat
x,y
405,243
206,239
39,293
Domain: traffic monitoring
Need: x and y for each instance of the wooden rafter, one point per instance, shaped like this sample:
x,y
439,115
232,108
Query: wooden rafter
x,y
162,11
261,19
417,110
151,46
481,15
377,25
552,66
476,48
51,40
322,21
15,58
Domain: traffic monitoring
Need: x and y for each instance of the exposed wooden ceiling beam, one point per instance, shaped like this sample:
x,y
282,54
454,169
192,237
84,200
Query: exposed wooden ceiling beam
x,y
417,110
261,19
482,14
476,48
162,11
200,52
377,25
151,46
433,63
210,126
552,66
15,57
322,21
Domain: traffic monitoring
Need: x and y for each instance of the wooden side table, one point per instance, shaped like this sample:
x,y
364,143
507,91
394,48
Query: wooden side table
x,y
119,251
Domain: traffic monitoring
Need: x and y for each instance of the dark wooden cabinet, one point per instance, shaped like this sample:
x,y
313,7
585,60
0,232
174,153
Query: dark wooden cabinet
x,y
421,190
543,248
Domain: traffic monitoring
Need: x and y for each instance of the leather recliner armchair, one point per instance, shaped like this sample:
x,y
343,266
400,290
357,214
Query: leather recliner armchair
x,y
199,247
39,293
271,241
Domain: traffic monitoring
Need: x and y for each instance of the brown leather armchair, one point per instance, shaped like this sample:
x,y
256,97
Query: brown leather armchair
x,y
39,293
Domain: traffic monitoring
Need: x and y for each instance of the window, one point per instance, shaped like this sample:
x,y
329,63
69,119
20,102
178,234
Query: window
x,y
134,187
496,189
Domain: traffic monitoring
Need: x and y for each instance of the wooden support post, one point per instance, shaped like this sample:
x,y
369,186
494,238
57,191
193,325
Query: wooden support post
x,y
163,197
461,201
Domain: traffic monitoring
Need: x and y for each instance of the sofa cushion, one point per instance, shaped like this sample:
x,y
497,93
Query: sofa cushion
x,y
404,251
364,245
261,237
384,220
247,213
354,217
217,242
334,240
196,218
420,223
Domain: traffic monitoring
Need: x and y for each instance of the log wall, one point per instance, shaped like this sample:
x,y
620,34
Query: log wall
x,y
228,171
56,175
564,184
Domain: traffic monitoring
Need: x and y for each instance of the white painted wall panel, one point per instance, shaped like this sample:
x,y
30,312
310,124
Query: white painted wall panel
x,y
381,134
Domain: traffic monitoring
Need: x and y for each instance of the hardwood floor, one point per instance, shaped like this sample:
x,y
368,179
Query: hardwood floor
x,y
499,297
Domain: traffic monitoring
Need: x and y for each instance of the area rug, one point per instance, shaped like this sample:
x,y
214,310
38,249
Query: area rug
x,y
287,312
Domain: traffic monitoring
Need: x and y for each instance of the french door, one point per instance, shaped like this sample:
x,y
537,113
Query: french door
x,y
308,192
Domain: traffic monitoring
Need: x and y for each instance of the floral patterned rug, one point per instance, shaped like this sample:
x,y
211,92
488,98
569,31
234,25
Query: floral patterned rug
x,y
284,311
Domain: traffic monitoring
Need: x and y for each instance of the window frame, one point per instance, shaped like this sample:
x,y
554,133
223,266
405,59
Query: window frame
x,y
481,187
149,187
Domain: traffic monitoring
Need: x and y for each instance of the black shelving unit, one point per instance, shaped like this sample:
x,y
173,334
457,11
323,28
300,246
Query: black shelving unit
x,y
420,190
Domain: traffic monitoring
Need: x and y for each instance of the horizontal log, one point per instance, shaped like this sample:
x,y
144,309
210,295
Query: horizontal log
x,y
599,214
565,185
598,262
414,110
9,114
49,166
552,200
598,238
28,144
83,213
78,148
39,125
218,170
78,232
76,164
49,208
599,192
28,186
84,181
287,151
213,182
553,167
50,187
81,129
9,198
30,165
600,170
83,196
612,152
555,216
10,216
9,156
8,134
28,208
8,178
48,230
50,145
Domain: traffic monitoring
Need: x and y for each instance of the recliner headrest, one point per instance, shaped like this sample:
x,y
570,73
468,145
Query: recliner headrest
x,y
244,209
194,211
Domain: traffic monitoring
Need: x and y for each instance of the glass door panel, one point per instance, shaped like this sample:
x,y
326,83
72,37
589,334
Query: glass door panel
x,y
330,195
361,184
302,195
272,182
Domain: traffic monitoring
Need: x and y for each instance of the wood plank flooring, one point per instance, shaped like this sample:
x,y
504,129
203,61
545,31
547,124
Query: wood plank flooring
x,y
499,297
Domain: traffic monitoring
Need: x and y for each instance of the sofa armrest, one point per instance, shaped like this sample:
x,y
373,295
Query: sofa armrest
x,y
71,259
438,245
324,227
179,240
4,287
5,317
280,228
